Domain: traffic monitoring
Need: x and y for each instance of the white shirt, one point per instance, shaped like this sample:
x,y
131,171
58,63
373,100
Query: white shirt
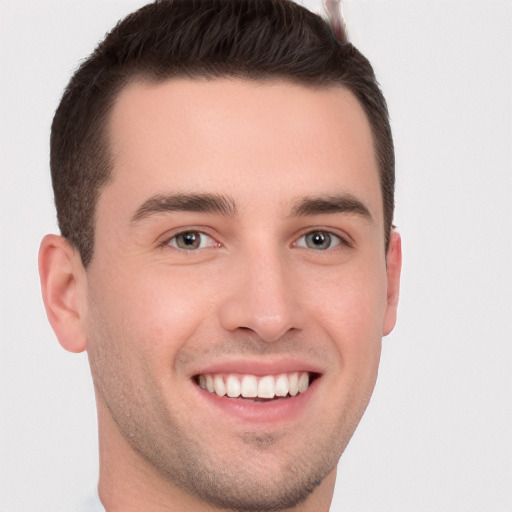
x,y
92,503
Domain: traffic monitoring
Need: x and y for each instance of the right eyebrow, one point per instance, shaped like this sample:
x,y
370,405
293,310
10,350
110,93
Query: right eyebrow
x,y
203,203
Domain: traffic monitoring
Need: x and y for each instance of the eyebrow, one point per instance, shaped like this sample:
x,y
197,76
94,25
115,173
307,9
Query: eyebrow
x,y
344,203
202,203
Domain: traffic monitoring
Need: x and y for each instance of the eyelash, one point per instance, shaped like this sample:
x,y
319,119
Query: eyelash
x,y
301,242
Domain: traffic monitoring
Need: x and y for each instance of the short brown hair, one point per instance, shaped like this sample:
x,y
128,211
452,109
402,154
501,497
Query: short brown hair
x,y
252,39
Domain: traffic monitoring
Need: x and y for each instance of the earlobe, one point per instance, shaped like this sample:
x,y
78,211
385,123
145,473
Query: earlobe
x,y
63,288
393,269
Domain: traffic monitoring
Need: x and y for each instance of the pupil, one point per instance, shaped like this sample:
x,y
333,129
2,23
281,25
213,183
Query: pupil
x,y
318,240
188,240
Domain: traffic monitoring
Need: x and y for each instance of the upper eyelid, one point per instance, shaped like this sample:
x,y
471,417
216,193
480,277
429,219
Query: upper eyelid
x,y
171,233
165,240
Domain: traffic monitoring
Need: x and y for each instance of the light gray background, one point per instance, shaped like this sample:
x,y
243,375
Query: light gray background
x,y
437,434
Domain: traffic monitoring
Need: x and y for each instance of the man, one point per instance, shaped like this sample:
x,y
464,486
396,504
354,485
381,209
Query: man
x,y
223,175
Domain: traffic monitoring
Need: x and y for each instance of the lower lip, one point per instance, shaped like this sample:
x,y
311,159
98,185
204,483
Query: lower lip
x,y
282,410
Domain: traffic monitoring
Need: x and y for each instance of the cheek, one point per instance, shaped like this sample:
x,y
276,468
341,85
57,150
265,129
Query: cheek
x,y
351,310
352,302
157,309
136,327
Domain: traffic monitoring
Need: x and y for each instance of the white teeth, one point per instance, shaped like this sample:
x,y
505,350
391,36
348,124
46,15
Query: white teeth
x,y
282,385
219,386
293,384
209,383
232,386
303,382
266,387
251,386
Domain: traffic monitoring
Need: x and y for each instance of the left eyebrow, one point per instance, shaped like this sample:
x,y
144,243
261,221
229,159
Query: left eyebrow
x,y
203,203
344,203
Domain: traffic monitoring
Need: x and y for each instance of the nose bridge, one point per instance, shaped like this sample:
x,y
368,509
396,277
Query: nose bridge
x,y
262,297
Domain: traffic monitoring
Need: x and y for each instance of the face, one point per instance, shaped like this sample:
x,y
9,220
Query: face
x,y
238,291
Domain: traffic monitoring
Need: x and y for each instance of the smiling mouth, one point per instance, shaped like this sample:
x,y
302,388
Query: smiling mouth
x,y
256,388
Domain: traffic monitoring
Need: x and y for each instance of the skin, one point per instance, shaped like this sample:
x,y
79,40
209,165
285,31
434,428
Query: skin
x,y
152,315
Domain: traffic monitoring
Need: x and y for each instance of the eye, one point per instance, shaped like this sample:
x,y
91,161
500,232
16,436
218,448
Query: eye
x,y
191,240
319,240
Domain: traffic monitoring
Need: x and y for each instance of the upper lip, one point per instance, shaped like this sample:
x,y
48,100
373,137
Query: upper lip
x,y
258,367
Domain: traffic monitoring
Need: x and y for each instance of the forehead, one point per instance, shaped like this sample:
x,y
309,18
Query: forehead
x,y
212,135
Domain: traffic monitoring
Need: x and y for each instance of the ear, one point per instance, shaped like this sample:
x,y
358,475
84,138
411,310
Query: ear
x,y
63,286
393,269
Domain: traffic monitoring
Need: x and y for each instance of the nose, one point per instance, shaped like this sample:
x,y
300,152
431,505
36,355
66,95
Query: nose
x,y
262,297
